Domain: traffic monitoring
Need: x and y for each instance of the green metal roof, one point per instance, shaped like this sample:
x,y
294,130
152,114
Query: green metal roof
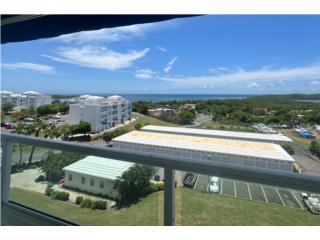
x,y
99,167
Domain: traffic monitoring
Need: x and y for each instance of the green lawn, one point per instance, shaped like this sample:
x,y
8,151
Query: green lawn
x,y
208,209
300,141
146,120
192,208
143,213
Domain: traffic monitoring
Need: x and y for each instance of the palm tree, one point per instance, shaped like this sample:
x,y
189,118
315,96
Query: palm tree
x,y
39,127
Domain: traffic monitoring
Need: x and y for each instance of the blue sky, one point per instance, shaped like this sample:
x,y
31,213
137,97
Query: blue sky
x,y
222,54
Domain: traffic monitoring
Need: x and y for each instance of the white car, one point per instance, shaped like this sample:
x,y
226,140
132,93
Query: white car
x,y
214,184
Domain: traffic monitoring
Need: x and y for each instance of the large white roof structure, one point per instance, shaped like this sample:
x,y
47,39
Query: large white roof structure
x,y
34,93
205,144
276,138
99,167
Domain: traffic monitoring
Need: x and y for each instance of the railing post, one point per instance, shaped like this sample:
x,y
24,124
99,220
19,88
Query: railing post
x,y
6,157
169,196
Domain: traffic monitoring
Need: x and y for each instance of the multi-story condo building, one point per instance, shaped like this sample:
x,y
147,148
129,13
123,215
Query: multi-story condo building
x,y
24,100
101,112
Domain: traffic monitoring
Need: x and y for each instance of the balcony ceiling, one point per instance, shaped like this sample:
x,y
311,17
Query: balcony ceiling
x,y
18,28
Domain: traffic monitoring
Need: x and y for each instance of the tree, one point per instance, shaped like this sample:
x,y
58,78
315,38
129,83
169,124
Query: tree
x,y
107,137
6,107
289,149
185,117
82,127
63,107
315,148
141,107
46,109
38,127
133,184
18,115
53,164
64,132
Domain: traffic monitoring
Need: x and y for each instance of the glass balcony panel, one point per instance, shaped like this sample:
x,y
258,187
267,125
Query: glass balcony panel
x,y
82,176
217,201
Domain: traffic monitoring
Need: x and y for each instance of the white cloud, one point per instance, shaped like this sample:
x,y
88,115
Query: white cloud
x,y
170,64
107,34
162,49
240,76
218,69
29,66
145,73
94,57
315,83
253,85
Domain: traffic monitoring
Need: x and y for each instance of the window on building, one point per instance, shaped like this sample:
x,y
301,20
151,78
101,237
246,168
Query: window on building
x,y
70,177
92,182
83,180
101,184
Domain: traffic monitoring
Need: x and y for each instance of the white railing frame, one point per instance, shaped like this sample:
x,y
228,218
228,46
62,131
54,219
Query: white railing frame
x,y
170,164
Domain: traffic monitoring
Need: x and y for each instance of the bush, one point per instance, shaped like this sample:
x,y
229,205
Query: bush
x,y
86,203
101,205
79,200
48,191
63,196
315,148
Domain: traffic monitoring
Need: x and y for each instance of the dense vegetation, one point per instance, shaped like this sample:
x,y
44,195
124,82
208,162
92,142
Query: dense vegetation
x,y
315,148
269,109
53,108
53,164
133,184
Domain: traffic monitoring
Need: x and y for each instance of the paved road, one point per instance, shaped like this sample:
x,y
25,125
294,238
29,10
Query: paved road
x,y
310,165
200,119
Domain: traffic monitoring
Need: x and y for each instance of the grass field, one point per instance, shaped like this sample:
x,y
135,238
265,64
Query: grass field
x,y
192,208
225,127
146,120
300,141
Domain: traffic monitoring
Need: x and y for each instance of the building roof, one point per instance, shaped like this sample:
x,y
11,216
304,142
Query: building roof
x,y
31,93
205,144
218,133
5,92
99,167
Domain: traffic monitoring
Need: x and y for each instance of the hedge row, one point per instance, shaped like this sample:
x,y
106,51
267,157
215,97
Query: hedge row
x,y
57,195
88,203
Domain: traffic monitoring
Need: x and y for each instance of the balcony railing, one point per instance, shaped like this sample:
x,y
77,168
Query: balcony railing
x,y
264,176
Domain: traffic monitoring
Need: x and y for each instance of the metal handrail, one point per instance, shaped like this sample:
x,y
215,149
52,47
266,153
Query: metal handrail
x,y
169,163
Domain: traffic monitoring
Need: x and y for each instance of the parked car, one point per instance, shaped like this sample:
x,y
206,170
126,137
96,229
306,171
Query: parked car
x,y
9,126
190,180
312,202
61,181
214,184
29,120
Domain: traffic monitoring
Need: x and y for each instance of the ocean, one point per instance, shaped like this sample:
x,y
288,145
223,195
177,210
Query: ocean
x,y
177,97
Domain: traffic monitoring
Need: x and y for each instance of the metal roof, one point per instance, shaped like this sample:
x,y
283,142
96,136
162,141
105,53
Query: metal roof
x,y
218,133
205,144
17,28
99,167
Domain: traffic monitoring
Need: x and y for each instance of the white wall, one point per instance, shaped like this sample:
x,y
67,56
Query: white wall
x,y
217,157
107,190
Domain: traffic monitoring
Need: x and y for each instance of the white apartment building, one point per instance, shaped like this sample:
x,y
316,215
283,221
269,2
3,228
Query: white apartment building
x,y
101,112
24,100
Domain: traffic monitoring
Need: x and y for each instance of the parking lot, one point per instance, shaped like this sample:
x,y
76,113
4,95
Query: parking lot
x,y
253,191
